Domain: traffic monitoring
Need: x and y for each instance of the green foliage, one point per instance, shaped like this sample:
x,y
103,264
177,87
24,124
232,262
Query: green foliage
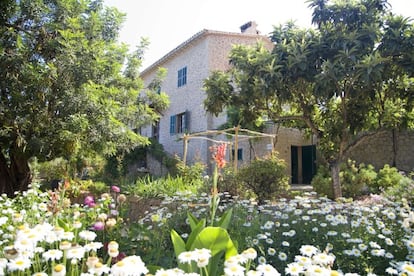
x,y
230,183
54,169
70,89
265,177
148,187
401,191
346,76
356,178
157,151
77,186
191,174
214,238
322,182
387,177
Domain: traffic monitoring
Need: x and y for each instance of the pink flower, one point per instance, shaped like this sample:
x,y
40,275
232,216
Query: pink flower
x,y
90,201
115,189
99,226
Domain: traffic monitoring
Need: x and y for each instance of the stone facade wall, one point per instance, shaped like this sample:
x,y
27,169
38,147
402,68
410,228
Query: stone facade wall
x,y
155,167
284,140
379,150
205,52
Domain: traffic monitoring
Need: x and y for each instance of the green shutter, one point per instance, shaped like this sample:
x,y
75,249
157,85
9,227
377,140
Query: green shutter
x,y
172,124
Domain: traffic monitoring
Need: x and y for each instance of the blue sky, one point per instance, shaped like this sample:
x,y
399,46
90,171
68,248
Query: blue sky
x,y
168,23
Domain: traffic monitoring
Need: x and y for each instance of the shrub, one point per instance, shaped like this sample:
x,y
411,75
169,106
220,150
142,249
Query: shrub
x,y
265,177
387,177
322,182
191,174
356,178
54,169
403,190
229,182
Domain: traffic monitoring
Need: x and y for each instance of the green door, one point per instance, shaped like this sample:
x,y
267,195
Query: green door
x,y
308,163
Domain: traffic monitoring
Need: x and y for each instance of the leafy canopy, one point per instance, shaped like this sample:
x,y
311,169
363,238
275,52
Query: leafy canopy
x,y
349,76
67,87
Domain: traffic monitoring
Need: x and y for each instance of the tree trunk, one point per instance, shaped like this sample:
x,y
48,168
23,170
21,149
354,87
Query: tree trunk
x,y
6,185
336,182
15,173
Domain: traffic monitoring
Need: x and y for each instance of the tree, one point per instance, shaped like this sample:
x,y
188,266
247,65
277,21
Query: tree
x,y
343,80
67,88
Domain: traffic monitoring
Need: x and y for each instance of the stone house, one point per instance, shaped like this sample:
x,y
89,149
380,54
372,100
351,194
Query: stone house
x,y
187,66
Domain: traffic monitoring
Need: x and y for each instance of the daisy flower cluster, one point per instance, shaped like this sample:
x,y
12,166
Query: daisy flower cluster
x,y
312,262
239,265
364,237
50,249
44,234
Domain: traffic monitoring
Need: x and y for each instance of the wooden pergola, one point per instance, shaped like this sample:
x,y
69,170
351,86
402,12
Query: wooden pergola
x,y
234,132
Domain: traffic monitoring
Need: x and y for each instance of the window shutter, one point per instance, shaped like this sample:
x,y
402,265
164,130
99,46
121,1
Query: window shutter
x,y
172,124
187,121
184,75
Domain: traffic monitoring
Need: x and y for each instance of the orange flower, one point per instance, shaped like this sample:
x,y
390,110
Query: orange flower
x,y
219,154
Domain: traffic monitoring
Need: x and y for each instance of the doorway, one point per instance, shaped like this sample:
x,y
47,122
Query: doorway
x,y
303,164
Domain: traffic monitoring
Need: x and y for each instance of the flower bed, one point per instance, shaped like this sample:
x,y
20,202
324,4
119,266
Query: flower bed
x,y
44,234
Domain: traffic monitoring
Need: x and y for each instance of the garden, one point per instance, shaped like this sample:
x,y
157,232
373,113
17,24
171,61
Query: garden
x,y
72,108
197,229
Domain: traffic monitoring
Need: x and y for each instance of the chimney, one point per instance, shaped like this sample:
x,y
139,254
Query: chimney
x,y
249,28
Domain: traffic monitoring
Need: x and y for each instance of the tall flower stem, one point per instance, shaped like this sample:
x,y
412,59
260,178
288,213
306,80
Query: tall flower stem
x,y
215,198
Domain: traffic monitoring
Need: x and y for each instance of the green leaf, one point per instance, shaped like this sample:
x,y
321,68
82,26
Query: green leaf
x,y
179,245
231,249
195,232
218,241
224,221
193,220
214,238
63,224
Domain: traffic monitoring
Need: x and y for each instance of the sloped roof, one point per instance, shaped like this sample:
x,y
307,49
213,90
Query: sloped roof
x,y
191,41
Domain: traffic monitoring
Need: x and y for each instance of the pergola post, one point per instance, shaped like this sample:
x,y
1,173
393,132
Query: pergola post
x,y
236,148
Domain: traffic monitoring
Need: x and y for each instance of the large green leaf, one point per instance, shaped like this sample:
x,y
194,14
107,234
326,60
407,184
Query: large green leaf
x,y
218,241
179,245
178,242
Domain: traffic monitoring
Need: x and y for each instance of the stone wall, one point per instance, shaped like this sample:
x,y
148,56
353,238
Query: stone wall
x,y
155,167
282,143
379,150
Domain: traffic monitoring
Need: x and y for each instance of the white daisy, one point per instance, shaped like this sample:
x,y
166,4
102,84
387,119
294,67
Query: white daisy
x,y
52,254
19,264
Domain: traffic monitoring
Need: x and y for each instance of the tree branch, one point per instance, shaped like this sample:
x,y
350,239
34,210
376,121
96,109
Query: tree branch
x,y
308,122
361,138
